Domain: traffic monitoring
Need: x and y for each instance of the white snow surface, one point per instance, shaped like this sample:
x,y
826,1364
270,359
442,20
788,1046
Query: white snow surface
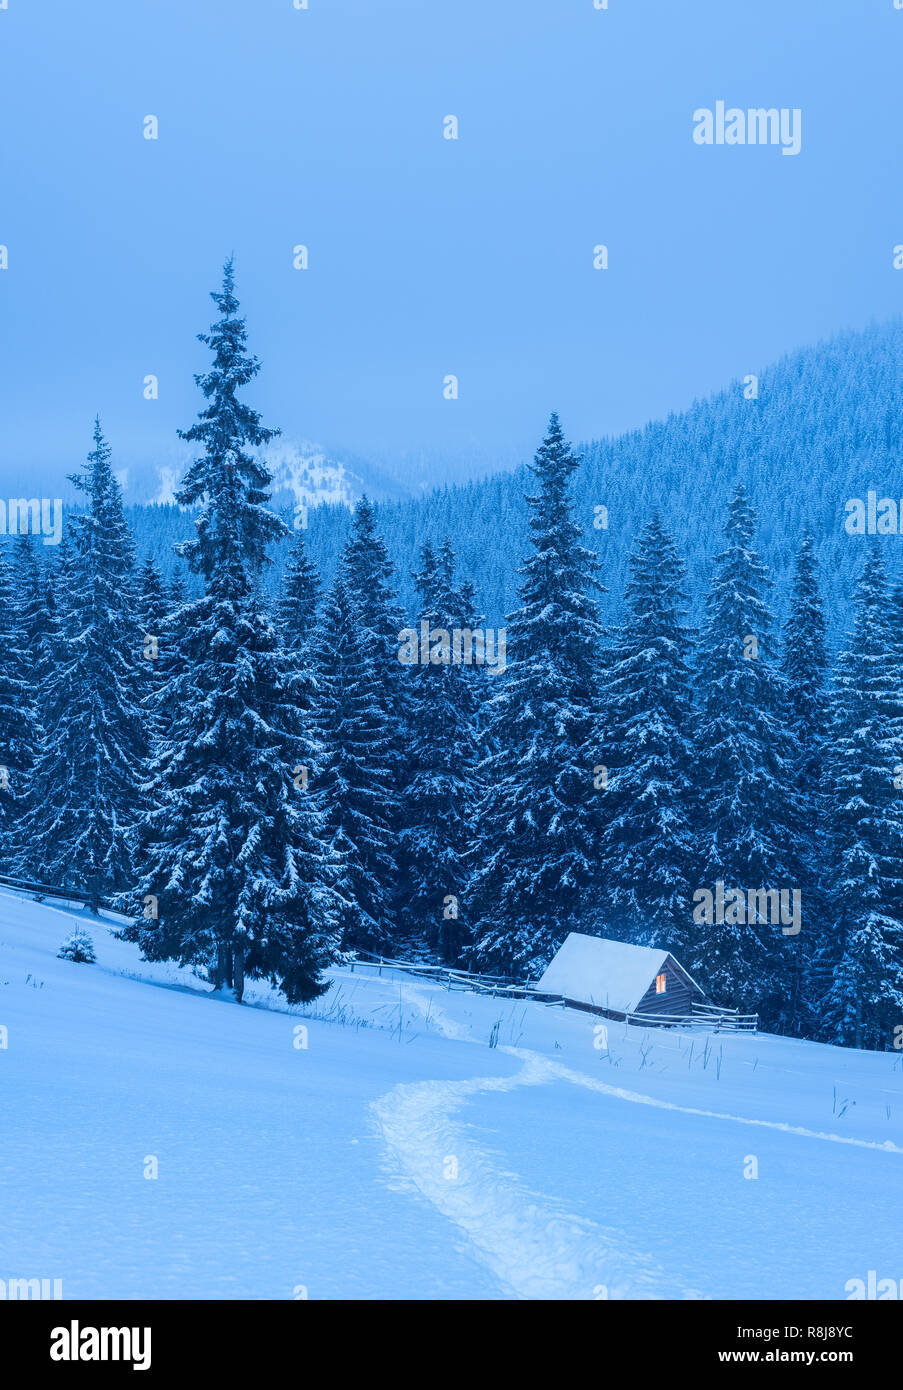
x,y
398,1154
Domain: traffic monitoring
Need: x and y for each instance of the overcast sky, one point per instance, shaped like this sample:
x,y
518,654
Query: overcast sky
x,y
429,256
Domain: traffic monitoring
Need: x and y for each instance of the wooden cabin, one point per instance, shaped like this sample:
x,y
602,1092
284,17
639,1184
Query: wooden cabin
x,y
619,980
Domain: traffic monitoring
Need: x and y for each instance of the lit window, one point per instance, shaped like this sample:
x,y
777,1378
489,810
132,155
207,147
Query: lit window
x,y
661,984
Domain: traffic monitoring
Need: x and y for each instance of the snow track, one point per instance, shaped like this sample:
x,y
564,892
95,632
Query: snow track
x,y
543,1168
533,1249
531,1245
637,1098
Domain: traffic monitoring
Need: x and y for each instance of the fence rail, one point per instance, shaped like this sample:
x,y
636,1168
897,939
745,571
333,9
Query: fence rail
x,y
68,895
45,890
447,975
709,1017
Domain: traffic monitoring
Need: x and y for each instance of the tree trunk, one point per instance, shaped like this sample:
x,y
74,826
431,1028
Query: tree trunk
x,y
222,971
238,972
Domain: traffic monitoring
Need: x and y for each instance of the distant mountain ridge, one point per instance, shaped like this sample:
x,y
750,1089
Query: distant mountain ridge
x,y
826,427
303,473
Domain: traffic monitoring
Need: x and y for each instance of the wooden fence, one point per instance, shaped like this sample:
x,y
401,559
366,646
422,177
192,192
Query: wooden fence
x,y
44,890
704,1017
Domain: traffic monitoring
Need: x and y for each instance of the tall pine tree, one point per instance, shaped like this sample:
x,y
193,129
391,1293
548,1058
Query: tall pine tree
x,y
647,848
355,772
85,784
151,608
444,703
865,1000
746,806
805,664
20,732
379,700
235,874
296,609
533,858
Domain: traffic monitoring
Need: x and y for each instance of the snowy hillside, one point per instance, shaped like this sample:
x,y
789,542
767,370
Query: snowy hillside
x,y
398,1154
303,472
306,473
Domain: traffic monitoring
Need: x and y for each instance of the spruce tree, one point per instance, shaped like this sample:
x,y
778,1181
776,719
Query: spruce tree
x,y
20,732
444,703
151,609
84,794
152,600
235,873
355,771
176,613
804,665
177,589
35,605
296,609
381,701
746,808
533,857
295,616
29,645
369,576
865,1001
647,847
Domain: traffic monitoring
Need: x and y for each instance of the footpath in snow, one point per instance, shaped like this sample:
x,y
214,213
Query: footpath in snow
x,y
377,1145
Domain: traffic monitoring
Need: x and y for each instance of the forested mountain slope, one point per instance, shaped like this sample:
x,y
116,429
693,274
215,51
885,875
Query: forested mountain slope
x,y
826,426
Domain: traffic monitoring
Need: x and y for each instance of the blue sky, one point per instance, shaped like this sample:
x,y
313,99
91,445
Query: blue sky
x,y
429,256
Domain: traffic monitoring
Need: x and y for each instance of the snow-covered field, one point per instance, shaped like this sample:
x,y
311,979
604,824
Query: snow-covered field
x,y
399,1155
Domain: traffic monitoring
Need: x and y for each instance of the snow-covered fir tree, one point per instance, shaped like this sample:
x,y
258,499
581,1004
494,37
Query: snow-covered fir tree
x,y
152,602
746,806
35,586
78,947
296,609
177,589
20,730
646,841
355,773
32,655
865,791
235,874
85,785
151,608
444,703
804,664
296,612
533,856
175,614
370,580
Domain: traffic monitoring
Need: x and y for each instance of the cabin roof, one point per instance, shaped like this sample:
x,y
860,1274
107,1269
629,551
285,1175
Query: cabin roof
x,y
608,974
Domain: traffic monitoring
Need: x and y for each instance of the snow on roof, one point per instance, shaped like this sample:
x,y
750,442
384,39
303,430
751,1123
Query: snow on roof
x,y
609,974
